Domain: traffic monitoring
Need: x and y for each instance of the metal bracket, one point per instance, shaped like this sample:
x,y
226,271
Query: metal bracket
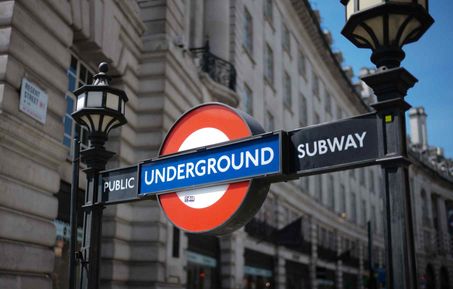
x,y
80,256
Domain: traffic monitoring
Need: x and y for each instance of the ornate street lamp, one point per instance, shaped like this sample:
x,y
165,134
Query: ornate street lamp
x,y
384,26
100,108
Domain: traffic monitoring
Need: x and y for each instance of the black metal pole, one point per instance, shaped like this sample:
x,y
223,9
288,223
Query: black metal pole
x,y
390,86
371,279
73,208
96,158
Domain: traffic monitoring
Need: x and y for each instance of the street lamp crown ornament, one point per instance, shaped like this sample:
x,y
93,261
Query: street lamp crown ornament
x,y
100,107
385,26
102,78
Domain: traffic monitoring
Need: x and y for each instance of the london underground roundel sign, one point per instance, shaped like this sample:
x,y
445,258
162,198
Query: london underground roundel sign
x,y
218,209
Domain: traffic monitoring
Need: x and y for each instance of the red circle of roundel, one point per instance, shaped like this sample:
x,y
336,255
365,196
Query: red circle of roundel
x,y
234,127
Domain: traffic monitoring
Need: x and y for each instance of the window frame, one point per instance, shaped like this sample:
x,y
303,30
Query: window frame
x,y
269,65
287,90
302,65
286,39
268,11
248,99
74,75
247,40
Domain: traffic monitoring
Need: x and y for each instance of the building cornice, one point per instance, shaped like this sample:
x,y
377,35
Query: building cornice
x,y
310,20
422,161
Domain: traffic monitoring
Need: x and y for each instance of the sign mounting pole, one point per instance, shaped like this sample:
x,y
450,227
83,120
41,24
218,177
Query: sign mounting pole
x,y
390,87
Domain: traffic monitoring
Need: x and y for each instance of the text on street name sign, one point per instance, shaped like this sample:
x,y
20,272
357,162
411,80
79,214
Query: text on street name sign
x,y
341,143
228,163
119,185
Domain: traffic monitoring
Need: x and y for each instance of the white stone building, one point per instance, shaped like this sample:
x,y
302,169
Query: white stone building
x,y
271,59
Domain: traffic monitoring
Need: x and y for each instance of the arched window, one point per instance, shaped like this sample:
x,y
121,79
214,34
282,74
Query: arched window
x,y
430,277
444,282
425,218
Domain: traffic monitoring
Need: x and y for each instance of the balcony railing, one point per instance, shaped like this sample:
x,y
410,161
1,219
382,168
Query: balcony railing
x,y
218,69
261,230
327,254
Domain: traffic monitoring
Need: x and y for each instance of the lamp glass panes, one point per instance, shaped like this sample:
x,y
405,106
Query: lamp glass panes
x,y
100,107
354,6
369,20
100,110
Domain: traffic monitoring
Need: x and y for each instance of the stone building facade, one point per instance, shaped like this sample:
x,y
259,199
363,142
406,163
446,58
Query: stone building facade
x,y
269,58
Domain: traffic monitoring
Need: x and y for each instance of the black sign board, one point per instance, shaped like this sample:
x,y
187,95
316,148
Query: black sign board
x,y
119,186
316,149
337,145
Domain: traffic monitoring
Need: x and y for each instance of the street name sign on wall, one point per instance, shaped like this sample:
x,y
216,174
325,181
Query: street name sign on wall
x,y
33,100
333,146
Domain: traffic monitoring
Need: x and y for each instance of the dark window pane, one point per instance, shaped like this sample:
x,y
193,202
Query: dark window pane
x,y
83,73
90,78
67,141
73,67
71,82
69,105
67,125
175,242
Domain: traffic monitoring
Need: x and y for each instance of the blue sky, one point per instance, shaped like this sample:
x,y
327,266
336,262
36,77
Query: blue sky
x,y
430,60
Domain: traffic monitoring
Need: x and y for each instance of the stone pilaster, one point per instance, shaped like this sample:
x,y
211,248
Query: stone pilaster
x,y
218,27
314,254
361,264
31,152
443,226
232,260
339,264
280,270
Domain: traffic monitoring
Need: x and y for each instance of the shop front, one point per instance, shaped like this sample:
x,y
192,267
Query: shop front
x,y
258,270
350,281
203,262
325,278
297,276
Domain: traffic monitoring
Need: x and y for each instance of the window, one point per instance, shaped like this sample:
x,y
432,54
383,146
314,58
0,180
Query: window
x,y
269,122
339,112
317,118
328,104
374,224
248,99
287,100
268,13
424,204
176,241
371,183
304,184
303,118
364,216
315,85
286,39
78,75
318,188
331,193
269,65
342,199
248,32
353,207
301,64
362,176
63,235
